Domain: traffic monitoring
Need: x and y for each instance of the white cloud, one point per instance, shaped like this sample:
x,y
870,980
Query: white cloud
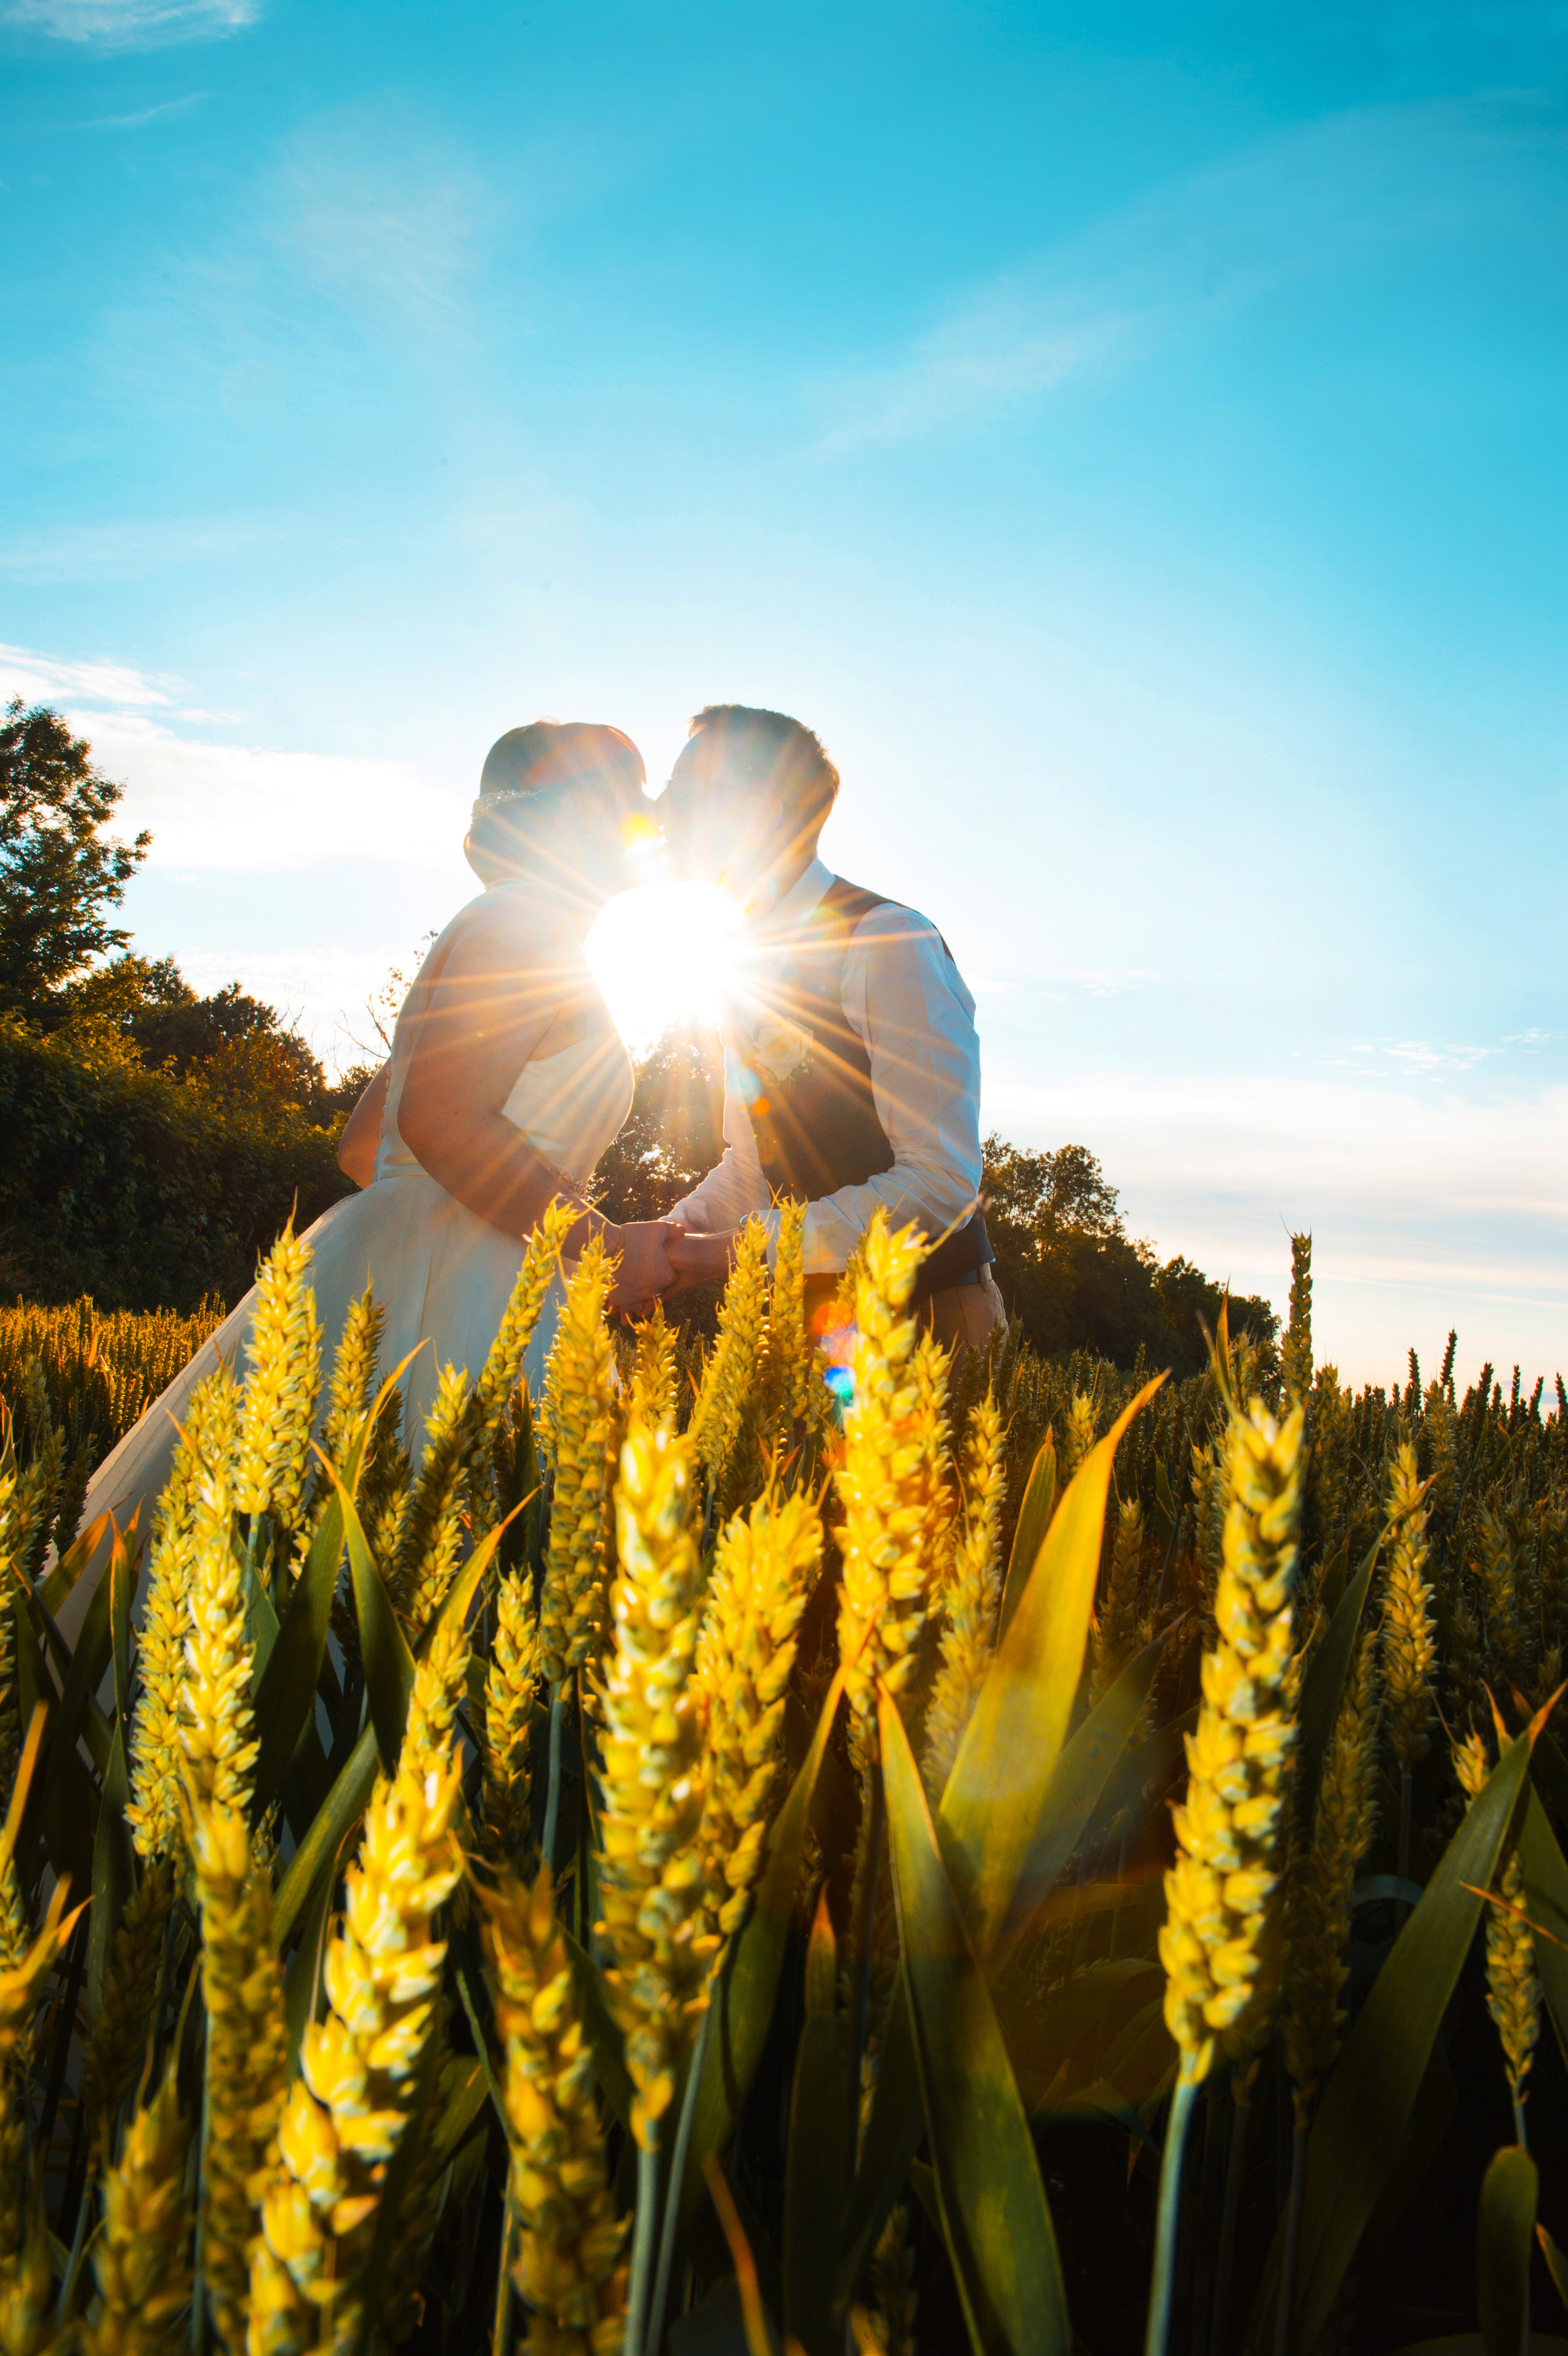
x,y
1430,1204
1201,246
248,807
122,23
236,808
40,679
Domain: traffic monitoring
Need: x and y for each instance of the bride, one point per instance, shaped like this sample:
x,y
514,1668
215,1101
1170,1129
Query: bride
x,y
505,1081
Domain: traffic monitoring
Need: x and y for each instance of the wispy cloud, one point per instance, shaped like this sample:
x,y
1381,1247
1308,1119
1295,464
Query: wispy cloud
x,y
1415,1059
1198,248
159,114
383,215
126,23
87,551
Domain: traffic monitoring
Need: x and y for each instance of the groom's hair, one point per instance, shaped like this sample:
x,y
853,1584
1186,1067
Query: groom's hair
x,y
768,748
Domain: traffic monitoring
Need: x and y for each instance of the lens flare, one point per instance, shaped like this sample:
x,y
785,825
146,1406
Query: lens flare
x,y
664,955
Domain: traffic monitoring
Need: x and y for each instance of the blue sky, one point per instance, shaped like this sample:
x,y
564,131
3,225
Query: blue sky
x,y
1132,436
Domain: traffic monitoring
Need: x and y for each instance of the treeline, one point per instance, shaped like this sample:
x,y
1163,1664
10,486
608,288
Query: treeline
x,y
157,1140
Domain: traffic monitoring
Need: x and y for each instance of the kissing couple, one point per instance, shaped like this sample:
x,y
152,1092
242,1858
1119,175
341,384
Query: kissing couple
x,y
851,1071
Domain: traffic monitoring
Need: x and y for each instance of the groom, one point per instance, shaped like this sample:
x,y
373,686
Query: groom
x,y
851,1067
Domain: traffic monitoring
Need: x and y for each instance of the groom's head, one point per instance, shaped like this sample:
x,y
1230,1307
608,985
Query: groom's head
x,y
746,800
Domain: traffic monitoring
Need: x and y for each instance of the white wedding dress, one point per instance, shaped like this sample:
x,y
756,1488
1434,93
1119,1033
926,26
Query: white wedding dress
x,y
443,1275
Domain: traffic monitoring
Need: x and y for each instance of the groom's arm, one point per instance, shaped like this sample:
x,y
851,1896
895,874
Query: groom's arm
x,y
909,1004
735,1187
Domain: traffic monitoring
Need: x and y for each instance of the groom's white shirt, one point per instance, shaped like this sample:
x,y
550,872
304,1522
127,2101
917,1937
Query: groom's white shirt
x,y
905,1000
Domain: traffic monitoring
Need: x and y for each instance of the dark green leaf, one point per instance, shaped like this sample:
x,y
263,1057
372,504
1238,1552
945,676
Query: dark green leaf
x,y
302,1983
1545,1874
1505,2235
1164,1506
1359,2129
600,2029
818,2159
892,2139
1083,1772
743,1999
1548,1772
388,1664
93,1648
1325,1681
1010,1748
286,1693
1034,1520
1556,2264
56,1584
317,1853
113,1875
996,2218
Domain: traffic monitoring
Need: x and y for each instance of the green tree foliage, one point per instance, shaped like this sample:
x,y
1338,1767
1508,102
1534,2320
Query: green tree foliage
x,y
157,1139
140,1188
236,1048
675,1132
1075,1280
59,874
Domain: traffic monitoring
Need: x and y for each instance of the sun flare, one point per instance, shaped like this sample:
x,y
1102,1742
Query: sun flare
x,y
662,955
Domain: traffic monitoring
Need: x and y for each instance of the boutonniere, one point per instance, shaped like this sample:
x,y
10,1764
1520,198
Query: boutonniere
x,y
780,1049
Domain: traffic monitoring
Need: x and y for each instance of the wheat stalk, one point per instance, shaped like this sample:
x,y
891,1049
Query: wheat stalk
x,y
141,2258
569,2269
246,2050
580,1419
215,1724
972,1598
346,2114
763,1572
653,1891
156,1812
891,1484
285,1354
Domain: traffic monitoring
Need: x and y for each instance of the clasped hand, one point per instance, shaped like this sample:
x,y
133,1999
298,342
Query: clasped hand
x,y
657,1257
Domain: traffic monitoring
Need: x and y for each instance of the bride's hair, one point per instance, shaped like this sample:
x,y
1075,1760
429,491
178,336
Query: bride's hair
x,y
525,765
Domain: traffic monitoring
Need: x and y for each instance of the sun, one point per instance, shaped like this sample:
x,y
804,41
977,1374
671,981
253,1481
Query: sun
x,y
662,955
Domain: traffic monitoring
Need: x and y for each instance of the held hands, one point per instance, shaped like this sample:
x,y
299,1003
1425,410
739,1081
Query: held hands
x,y
645,1269
699,1260
657,1258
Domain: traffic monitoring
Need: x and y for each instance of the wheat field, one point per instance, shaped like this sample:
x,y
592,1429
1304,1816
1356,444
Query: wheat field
x,y
741,1853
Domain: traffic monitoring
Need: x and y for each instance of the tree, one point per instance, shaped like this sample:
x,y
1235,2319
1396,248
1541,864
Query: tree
x,y
1075,1280
1038,1195
58,873
674,1134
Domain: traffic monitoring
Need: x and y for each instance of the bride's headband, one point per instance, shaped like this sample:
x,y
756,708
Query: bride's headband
x,y
554,788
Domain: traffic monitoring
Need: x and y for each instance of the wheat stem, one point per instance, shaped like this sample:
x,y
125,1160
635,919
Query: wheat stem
x,y
1162,2282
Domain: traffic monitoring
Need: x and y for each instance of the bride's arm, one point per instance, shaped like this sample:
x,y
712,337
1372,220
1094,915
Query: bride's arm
x,y
488,1012
362,1133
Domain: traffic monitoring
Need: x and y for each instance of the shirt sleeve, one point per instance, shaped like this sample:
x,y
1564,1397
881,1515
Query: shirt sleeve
x,y
735,1187
908,1001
